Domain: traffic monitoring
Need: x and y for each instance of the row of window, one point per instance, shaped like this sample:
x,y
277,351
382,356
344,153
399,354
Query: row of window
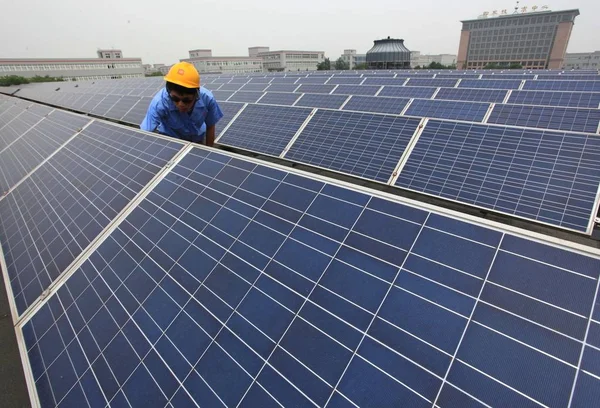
x,y
302,56
227,63
503,21
95,77
62,67
528,64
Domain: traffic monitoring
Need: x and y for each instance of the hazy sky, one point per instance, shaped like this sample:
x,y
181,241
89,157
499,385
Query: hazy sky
x,y
163,31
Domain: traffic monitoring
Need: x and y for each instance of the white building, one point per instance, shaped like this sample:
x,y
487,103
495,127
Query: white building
x,y
352,58
74,69
254,51
582,60
287,60
417,59
205,63
109,54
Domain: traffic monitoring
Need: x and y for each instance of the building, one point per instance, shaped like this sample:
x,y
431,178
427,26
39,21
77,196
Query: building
x,y
285,60
74,69
205,63
109,54
389,53
535,40
153,69
351,58
254,51
419,60
582,60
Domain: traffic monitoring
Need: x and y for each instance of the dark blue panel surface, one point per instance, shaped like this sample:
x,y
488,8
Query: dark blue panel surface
x,y
245,96
284,87
570,99
360,144
469,111
229,109
322,101
475,95
408,91
551,177
437,82
320,89
264,129
356,90
547,117
279,98
54,214
579,86
491,83
376,104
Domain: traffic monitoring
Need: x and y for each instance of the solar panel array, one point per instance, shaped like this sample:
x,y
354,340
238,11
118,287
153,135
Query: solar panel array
x,y
225,281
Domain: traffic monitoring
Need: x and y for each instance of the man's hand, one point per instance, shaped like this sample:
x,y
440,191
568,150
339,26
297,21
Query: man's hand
x,y
210,136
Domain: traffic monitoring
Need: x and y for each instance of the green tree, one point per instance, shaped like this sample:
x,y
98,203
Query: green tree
x,y
515,65
340,64
19,80
324,66
361,66
154,74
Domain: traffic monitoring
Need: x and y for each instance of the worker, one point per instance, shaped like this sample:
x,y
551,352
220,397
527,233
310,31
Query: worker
x,y
183,109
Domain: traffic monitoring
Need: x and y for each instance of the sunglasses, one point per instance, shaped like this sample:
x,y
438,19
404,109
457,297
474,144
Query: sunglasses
x,y
186,100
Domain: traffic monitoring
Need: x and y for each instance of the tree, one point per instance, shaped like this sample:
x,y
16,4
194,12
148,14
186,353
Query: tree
x,y
154,74
324,66
340,64
515,65
18,80
361,66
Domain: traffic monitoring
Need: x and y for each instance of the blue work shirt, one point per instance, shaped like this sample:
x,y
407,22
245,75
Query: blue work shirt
x,y
164,116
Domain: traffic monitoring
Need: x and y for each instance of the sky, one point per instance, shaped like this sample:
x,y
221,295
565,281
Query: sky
x,y
163,31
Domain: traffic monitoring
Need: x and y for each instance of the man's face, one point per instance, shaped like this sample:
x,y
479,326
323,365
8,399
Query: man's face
x,y
182,102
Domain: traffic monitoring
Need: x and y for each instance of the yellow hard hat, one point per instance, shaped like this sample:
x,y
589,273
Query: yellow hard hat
x,y
184,74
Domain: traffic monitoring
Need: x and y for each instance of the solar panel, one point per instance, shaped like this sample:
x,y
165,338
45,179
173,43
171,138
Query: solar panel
x,y
260,80
36,145
385,81
548,98
222,95
22,122
470,111
230,87
121,107
313,80
254,87
282,87
90,103
490,83
138,112
321,89
437,82
322,101
356,90
547,117
360,144
47,221
284,81
376,104
280,98
280,290
520,77
579,86
407,91
229,109
473,95
546,176
103,107
264,129
345,80
242,96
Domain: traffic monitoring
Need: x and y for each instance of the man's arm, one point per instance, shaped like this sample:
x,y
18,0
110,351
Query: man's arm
x,y
210,136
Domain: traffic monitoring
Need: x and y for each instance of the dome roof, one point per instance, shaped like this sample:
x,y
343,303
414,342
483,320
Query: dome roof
x,y
389,50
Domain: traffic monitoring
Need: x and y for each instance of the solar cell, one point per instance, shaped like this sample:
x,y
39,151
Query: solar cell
x,y
490,83
241,96
357,90
313,80
322,101
229,87
275,87
121,107
579,86
291,290
547,117
376,104
20,123
229,109
35,145
548,98
310,88
254,87
407,91
47,221
473,95
508,76
90,103
280,98
138,112
345,80
103,107
264,129
545,176
222,95
470,111
384,81
437,82
360,144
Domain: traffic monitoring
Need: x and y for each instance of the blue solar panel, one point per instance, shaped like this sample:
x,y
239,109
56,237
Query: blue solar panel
x,y
490,83
264,129
241,96
385,81
35,145
282,87
473,95
322,89
322,101
566,77
48,220
357,90
284,81
508,76
437,82
103,107
229,87
138,112
222,95
21,123
567,99
471,111
457,76
313,80
580,86
229,109
89,104
254,87
545,176
547,117
359,144
280,98
260,80
121,107
345,80
407,91
279,290
376,104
